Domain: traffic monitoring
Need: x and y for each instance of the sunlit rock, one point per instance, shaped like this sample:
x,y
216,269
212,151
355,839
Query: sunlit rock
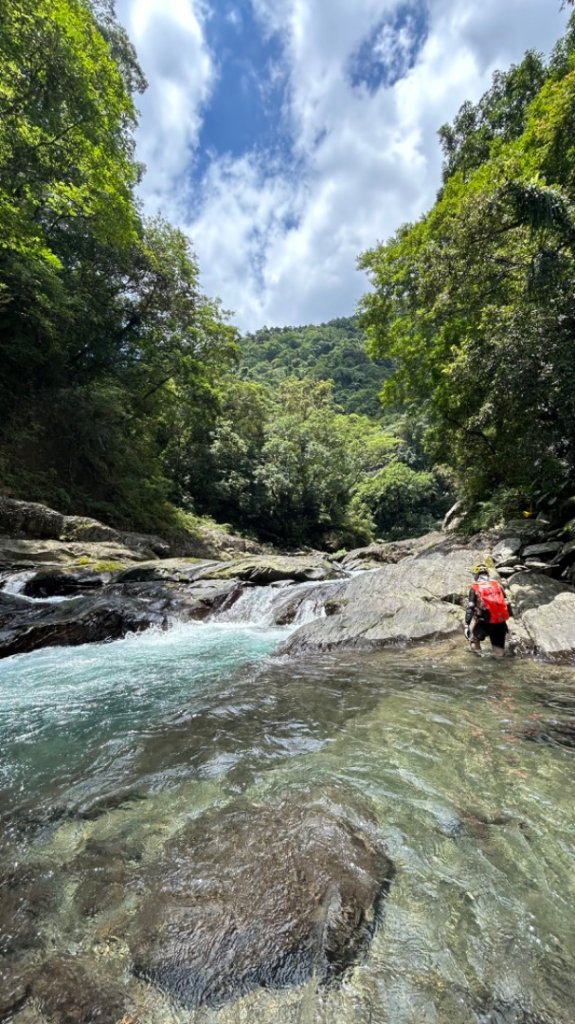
x,y
547,610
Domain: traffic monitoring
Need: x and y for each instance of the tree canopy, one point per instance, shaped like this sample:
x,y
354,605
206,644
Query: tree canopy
x,y
475,302
333,351
103,327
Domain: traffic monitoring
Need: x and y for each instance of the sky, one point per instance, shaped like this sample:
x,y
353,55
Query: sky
x,y
285,137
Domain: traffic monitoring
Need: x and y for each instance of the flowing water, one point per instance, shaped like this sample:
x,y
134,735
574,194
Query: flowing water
x,y
108,750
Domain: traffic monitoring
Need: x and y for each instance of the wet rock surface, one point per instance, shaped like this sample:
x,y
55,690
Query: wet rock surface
x,y
213,928
418,598
53,583
69,992
547,610
83,620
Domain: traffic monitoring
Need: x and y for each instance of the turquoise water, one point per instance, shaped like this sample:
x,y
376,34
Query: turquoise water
x,y
64,709
109,750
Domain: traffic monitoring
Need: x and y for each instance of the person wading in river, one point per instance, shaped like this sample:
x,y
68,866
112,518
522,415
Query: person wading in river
x,y
487,613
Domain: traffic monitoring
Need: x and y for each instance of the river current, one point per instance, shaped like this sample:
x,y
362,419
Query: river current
x,y
112,747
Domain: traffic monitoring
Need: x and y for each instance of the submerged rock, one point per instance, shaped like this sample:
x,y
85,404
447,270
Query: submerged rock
x,y
71,992
257,895
551,731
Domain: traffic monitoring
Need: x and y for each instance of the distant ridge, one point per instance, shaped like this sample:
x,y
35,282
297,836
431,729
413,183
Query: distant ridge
x,y
331,351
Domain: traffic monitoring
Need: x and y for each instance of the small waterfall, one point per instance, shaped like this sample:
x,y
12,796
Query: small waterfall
x,y
255,604
282,606
15,584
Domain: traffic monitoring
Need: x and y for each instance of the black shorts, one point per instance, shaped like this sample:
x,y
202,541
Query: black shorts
x,y
496,632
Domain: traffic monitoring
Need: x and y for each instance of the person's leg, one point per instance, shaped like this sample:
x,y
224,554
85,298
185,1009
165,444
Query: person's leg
x,y
497,634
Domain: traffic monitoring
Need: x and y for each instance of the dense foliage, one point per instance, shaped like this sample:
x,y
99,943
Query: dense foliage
x,y
119,386
475,303
103,328
334,351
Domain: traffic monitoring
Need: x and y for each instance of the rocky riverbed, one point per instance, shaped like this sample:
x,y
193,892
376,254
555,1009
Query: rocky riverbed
x,y
108,584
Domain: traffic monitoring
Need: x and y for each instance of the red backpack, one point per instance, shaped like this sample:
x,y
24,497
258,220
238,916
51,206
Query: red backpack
x,y
490,596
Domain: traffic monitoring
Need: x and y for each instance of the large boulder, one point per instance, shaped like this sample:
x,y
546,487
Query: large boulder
x,y
79,621
52,583
261,895
28,519
547,610
418,598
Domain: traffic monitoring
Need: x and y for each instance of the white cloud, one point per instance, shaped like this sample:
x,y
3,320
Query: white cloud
x,y
169,39
279,243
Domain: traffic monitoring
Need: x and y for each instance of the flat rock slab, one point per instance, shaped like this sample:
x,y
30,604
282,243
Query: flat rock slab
x,y
261,895
258,569
16,552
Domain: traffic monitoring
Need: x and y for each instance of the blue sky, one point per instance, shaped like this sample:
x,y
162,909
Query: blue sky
x,y
287,136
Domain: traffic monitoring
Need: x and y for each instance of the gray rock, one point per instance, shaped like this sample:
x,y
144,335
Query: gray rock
x,y
79,621
542,552
418,598
265,569
213,928
28,519
165,570
51,584
547,610
83,528
24,553
505,551
452,516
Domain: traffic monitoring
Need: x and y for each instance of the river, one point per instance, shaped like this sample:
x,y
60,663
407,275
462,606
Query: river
x,y
112,747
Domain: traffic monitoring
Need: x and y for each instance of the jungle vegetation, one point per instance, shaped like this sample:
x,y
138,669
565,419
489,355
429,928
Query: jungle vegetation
x,y
475,302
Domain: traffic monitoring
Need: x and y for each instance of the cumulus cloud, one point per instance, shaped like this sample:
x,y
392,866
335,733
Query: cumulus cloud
x,y
278,239
170,43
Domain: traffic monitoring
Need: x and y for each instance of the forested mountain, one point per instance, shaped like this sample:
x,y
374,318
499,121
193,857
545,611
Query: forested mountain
x,y
334,351
475,303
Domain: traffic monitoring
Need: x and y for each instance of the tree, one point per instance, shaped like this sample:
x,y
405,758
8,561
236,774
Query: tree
x,y
106,340
474,303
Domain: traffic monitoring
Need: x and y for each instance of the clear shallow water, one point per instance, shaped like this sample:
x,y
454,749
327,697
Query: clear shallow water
x,y
108,750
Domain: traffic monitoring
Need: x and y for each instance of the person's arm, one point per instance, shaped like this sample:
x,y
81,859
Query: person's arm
x,y
470,610
469,613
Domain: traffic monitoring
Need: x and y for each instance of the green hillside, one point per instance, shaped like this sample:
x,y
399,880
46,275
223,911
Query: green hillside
x,y
332,351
